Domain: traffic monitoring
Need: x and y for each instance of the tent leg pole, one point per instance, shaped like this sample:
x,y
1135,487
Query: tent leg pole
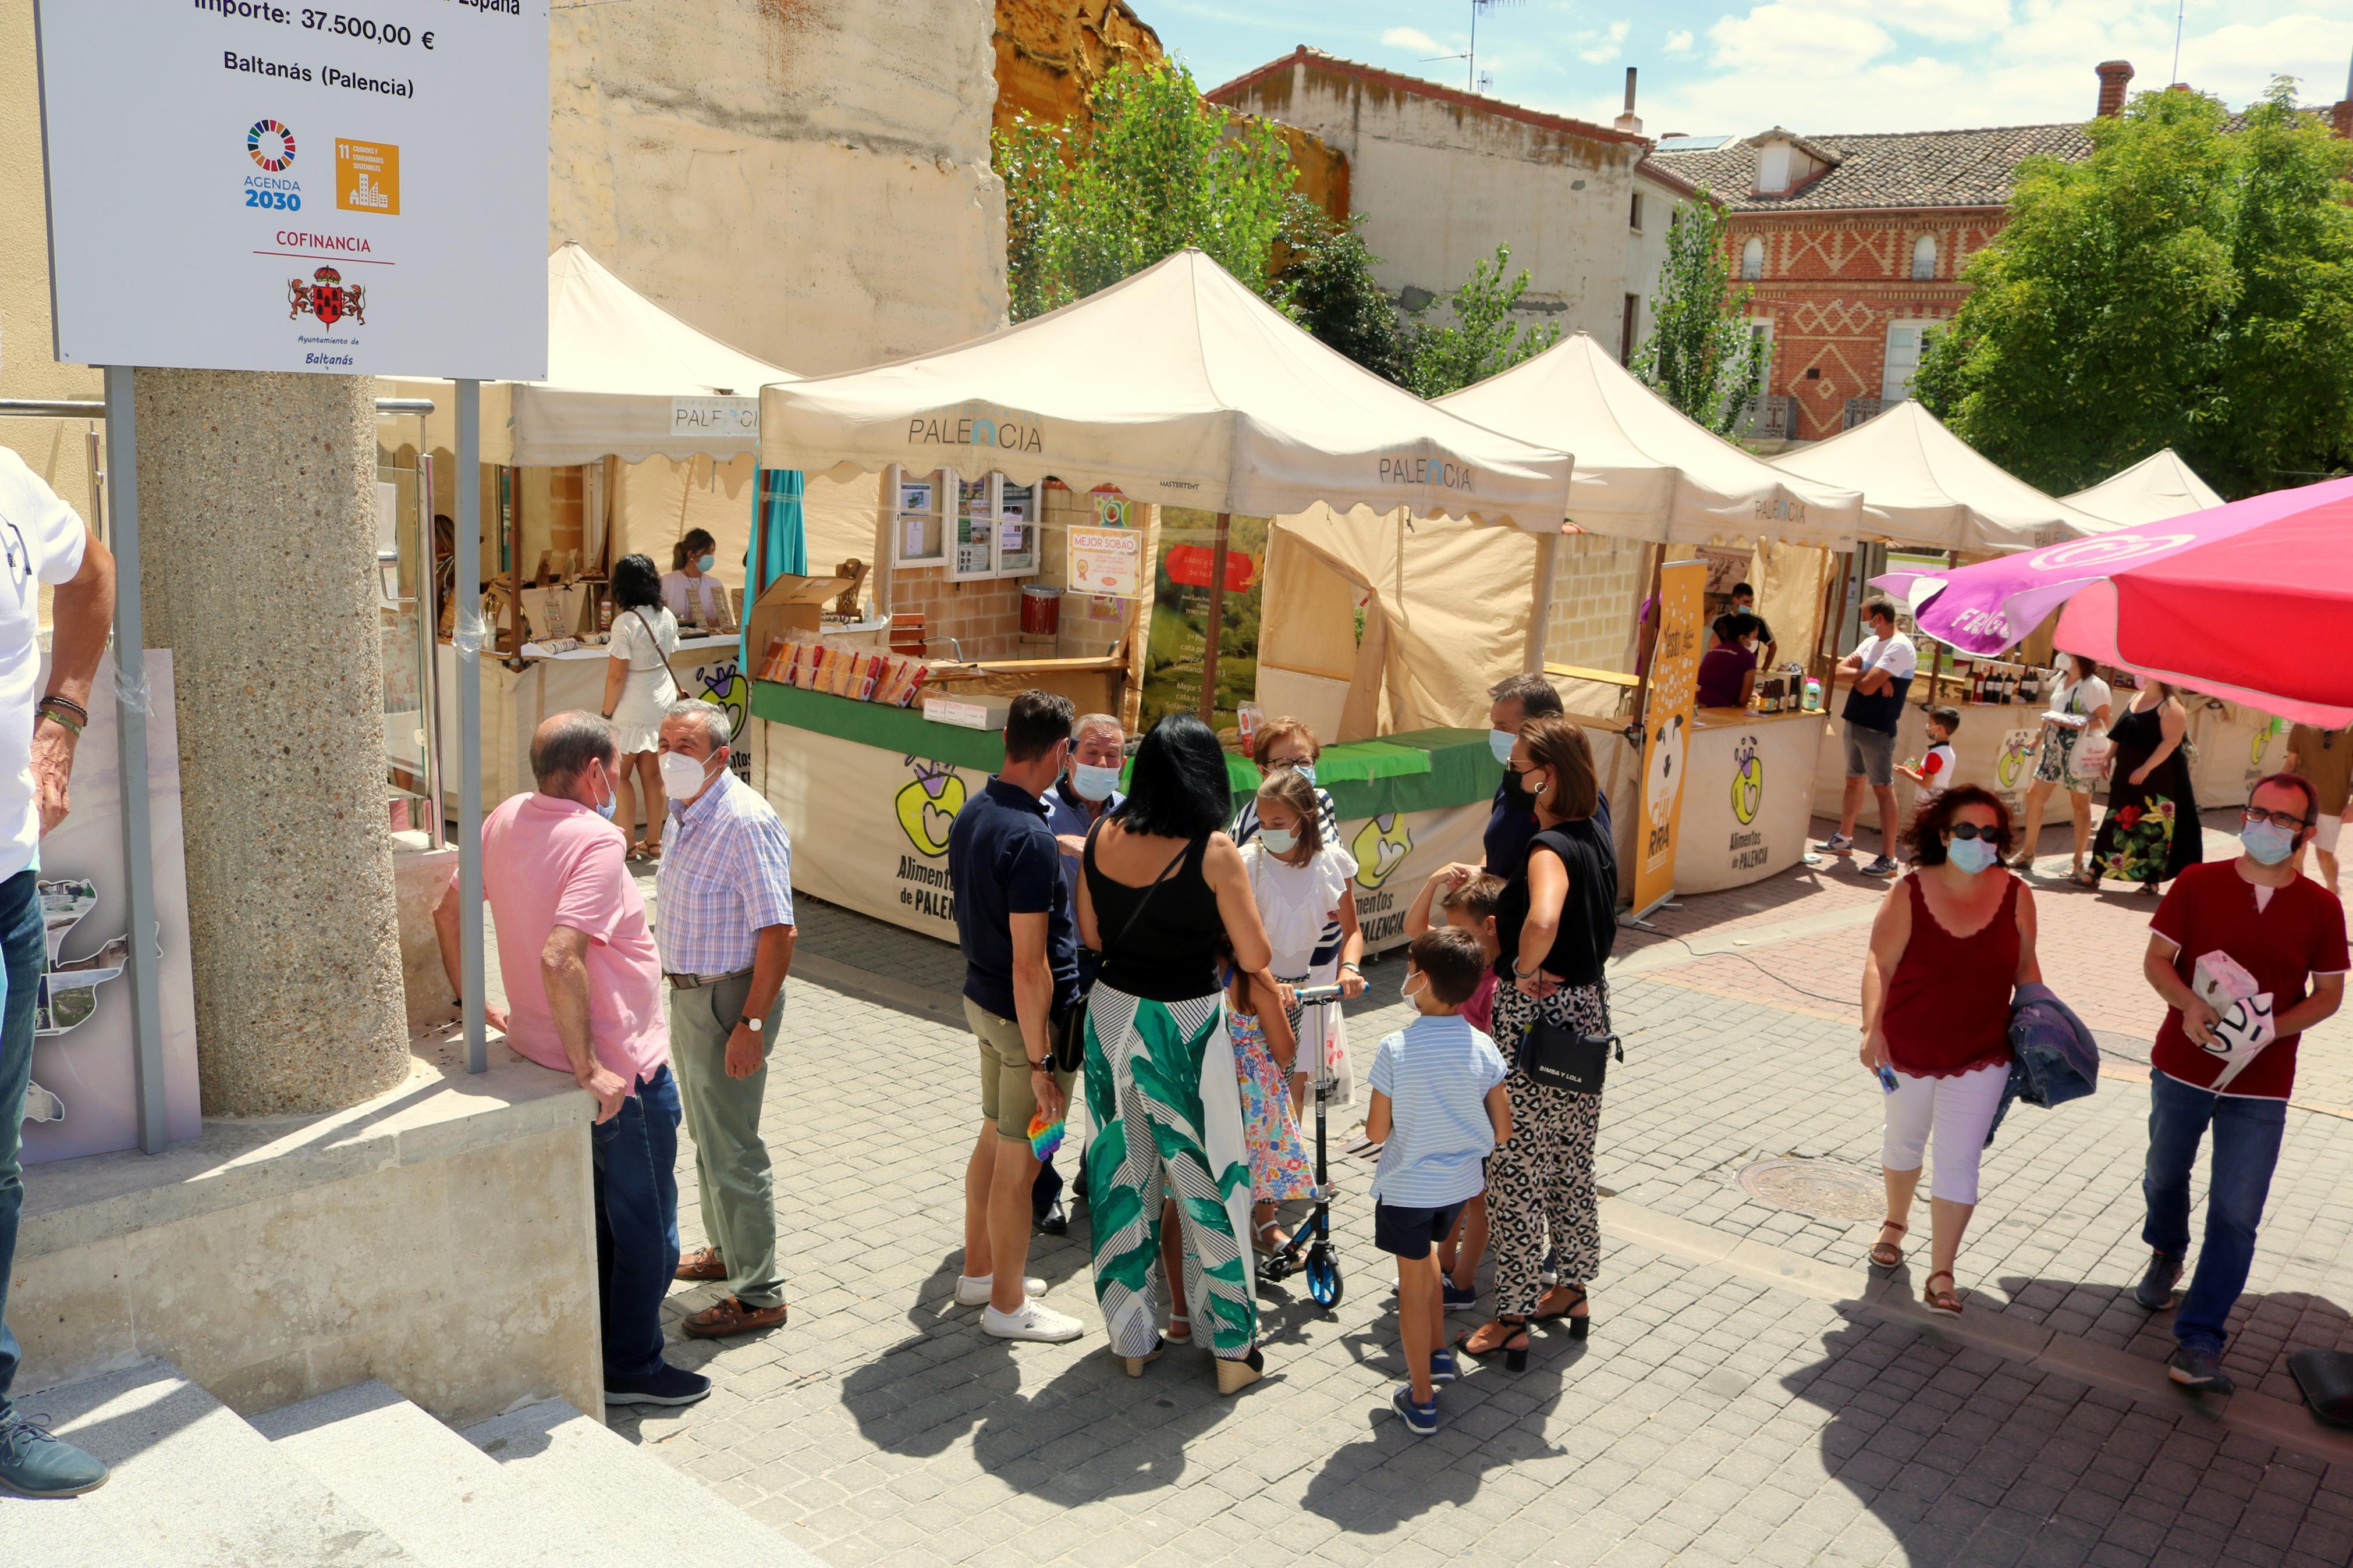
x,y
468,626
1547,555
1214,633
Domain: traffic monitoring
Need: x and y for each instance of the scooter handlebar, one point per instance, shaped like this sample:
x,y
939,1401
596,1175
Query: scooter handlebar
x,y
1316,995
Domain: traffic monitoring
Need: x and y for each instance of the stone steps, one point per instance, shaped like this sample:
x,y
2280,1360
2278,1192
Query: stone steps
x,y
362,1479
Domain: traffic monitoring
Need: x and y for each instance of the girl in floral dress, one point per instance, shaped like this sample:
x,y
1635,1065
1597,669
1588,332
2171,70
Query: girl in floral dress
x,y
1281,1169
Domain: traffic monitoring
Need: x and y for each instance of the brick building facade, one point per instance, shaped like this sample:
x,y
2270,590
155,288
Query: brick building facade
x,y
1852,247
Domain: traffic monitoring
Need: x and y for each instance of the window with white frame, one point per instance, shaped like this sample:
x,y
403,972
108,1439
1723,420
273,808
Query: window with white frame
x,y
1752,260
1924,258
1907,342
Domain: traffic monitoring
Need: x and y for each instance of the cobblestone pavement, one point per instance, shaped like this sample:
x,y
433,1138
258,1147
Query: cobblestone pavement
x,y
1748,1394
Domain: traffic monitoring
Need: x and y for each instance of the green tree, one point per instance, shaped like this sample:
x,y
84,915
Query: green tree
x,y
1481,340
1700,355
2188,284
1332,293
1152,168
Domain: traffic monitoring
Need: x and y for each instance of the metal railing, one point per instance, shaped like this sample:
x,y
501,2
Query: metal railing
x,y
1765,418
1860,409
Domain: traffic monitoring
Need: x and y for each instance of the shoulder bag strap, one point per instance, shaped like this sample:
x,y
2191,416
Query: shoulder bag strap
x,y
654,637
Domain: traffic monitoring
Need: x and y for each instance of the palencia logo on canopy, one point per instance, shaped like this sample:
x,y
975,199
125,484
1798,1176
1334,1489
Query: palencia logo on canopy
x,y
1447,473
976,424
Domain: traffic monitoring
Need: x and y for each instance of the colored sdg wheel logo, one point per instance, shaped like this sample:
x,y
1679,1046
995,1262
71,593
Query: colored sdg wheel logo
x,y
1747,781
270,144
927,806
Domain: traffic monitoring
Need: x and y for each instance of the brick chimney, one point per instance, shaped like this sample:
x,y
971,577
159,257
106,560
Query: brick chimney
x,y
2342,115
2115,76
1629,121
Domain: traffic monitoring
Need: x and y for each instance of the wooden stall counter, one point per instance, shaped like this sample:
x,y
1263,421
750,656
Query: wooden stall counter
x,y
1749,789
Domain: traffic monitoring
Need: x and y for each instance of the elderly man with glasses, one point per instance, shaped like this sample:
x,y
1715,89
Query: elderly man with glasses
x,y
724,918
2248,954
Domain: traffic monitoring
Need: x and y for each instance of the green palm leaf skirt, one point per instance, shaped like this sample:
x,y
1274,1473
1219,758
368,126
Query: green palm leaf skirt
x,y
1168,1118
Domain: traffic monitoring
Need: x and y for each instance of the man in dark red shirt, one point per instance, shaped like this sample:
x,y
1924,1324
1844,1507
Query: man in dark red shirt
x,y
2248,954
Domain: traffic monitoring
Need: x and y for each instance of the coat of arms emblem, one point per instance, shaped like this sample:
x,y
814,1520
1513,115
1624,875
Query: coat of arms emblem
x,y
327,297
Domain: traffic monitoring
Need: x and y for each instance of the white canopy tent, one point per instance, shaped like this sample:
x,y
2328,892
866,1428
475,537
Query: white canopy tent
x,y
2152,491
1924,486
1643,469
1179,386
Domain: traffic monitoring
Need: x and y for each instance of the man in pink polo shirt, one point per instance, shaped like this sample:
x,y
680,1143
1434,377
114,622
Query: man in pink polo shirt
x,y
583,997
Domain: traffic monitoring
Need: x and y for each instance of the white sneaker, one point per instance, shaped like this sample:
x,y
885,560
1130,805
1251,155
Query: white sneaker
x,y
972,1290
1033,1321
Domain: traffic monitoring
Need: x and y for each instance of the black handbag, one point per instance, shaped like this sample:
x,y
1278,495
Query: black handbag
x,y
1554,1056
1067,1031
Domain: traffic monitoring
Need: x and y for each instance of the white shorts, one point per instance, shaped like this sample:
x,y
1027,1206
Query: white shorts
x,y
2325,829
1959,1110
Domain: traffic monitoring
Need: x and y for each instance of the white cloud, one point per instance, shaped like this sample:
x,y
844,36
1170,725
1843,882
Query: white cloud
x,y
1679,41
1412,38
1947,21
1797,43
1606,49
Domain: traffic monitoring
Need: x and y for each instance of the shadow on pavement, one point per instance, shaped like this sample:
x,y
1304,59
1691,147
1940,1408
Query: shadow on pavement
x,y
2266,1326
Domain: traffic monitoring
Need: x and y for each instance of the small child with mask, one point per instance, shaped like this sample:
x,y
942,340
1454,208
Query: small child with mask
x,y
1439,1110
1304,886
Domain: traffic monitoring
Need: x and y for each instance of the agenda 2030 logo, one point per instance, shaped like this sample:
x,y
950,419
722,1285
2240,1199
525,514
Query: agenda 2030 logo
x,y
270,146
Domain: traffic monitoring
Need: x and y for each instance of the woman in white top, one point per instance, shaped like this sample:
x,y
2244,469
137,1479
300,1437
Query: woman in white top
x,y
690,593
1304,884
2077,720
638,687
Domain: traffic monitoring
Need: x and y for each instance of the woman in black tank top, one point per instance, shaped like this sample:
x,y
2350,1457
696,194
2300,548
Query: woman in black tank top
x,y
1160,885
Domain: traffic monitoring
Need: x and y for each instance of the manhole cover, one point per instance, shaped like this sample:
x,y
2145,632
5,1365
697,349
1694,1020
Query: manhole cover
x,y
1826,1189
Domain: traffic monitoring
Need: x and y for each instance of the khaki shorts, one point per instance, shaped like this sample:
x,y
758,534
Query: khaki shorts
x,y
1005,1096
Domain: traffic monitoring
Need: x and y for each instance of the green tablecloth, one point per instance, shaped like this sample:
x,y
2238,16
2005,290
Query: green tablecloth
x,y
1421,770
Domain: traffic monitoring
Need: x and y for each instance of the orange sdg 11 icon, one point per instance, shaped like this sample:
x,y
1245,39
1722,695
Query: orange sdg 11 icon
x,y
367,177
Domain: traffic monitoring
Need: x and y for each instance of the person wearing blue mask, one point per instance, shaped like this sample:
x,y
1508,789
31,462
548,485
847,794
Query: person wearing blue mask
x,y
1952,941
1087,792
695,596
1513,821
2248,954
1286,744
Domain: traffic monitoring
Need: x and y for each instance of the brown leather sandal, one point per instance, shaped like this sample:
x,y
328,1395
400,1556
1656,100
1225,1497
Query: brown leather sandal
x,y
1946,1301
1886,1254
731,1316
703,1263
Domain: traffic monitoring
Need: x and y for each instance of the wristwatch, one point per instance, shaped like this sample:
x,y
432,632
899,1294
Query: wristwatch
x,y
749,1022
1042,1064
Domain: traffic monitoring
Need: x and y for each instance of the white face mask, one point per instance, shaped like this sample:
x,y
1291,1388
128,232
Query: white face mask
x,y
1093,781
682,777
1278,840
1405,986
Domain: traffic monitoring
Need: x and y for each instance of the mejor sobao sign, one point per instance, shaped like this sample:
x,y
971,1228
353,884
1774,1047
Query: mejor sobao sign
x,y
245,185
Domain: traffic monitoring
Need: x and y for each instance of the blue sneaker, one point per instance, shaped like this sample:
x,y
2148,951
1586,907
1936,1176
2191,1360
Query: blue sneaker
x,y
665,1384
1421,1420
1460,1296
38,1463
1442,1368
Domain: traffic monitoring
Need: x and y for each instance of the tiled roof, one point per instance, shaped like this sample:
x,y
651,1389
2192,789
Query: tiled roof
x,y
1397,81
1906,169
1651,169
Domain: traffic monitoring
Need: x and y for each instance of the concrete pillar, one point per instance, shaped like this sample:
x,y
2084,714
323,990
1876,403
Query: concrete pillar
x,y
257,518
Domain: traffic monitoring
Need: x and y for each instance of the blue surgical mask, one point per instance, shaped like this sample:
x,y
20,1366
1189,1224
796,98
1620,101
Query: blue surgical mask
x,y
1500,743
1971,855
1093,781
612,802
1305,771
1278,840
2268,842
705,563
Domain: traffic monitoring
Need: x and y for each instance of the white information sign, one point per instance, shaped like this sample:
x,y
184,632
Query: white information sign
x,y
351,189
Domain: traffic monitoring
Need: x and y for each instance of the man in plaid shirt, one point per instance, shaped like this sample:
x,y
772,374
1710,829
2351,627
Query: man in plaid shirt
x,y
723,922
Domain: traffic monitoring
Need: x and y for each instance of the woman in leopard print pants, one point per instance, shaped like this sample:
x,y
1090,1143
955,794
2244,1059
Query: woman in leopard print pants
x,y
1556,921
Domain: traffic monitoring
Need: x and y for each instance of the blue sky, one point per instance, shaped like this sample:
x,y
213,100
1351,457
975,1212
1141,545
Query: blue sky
x,y
1710,67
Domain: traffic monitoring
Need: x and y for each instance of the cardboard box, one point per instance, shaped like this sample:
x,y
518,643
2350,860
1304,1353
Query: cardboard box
x,y
971,712
791,607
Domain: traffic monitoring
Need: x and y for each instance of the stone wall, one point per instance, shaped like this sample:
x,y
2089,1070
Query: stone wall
x,y
811,183
1443,176
1596,584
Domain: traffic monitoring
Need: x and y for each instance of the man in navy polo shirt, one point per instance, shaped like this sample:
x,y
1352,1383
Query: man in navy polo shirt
x,y
1021,967
1087,794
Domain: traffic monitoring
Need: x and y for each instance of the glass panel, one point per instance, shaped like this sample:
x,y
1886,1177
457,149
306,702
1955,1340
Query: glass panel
x,y
917,535
975,534
1017,531
1903,359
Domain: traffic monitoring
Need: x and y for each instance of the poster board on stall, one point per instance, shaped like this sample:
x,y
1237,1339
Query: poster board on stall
x,y
1675,688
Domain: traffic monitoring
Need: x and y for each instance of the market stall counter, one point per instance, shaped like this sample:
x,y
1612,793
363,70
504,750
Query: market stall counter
x,y
868,791
554,681
1749,796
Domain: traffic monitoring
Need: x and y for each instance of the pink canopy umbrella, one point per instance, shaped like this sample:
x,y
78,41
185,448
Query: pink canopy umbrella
x,y
2251,602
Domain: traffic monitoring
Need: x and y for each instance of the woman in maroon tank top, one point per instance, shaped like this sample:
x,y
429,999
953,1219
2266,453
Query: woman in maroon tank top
x,y
1952,942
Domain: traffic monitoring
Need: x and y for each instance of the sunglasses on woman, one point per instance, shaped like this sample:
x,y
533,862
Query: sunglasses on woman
x,y
1971,830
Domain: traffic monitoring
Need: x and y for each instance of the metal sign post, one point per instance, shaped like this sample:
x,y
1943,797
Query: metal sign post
x,y
131,708
466,634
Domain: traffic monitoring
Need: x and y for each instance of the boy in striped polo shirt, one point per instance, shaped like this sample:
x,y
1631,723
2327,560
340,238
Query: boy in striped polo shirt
x,y
1439,1110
